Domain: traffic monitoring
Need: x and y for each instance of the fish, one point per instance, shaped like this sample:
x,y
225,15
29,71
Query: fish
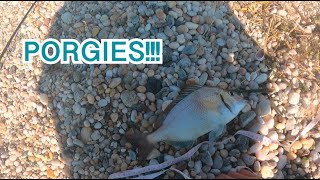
x,y
196,111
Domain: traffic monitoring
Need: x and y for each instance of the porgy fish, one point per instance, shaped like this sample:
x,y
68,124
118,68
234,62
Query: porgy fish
x,y
195,112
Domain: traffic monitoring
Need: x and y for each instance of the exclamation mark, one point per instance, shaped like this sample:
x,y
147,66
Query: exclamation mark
x,y
147,51
152,51
157,51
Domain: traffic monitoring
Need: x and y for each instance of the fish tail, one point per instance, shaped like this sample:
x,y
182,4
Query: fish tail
x,y
141,142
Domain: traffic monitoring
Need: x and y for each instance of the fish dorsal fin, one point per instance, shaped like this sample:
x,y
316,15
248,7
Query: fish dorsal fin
x,y
187,89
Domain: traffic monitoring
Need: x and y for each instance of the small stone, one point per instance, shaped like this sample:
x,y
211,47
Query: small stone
x,y
129,98
266,171
248,160
115,82
174,45
182,29
197,167
102,103
154,154
263,108
109,74
293,109
98,125
282,162
221,42
132,155
181,39
90,99
76,108
217,162
116,137
232,69
95,135
114,117
142,9
95,31
76,76
307,143
242,142
262,154
257,166
261,78
282,13
294,98
191,25
291,156
296,145
66,17
141,89
189,50
246,118
44,99
171,4
85,134
78,143
206,158
160,14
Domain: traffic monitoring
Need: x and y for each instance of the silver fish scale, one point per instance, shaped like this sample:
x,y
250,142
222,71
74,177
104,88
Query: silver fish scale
x,y
196,96
195,115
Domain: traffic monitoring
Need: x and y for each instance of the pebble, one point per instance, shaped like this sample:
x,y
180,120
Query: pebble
x,y
90,99
206,158
248,160
294,98
67,17
95,135
191,25
261,78
115,82
44,99
266,171
102,103
182,29
85,134
217,162
197,167
263,108
189,50
129,98
282,162
174,45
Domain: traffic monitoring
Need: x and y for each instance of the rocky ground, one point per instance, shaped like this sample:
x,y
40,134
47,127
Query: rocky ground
x,y
62,121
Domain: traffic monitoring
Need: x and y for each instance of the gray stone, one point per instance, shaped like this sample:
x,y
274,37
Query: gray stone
x,y
102,103
263,107
95,135
217,161
206,158
189,50
197,167
66,17
85,134
261,78
129,98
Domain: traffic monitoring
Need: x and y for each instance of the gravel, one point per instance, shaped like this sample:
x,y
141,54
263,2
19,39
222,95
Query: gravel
x,y
70,120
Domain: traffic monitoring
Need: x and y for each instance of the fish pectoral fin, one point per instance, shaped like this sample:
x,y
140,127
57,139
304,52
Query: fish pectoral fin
x,y
182,144
215,133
